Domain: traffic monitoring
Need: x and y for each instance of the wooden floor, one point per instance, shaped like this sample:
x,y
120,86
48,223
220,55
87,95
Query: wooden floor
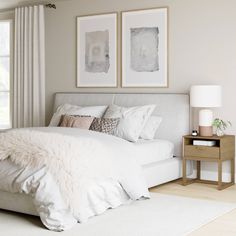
x,y
222,226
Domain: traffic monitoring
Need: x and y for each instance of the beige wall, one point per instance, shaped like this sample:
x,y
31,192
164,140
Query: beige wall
x,y
202,46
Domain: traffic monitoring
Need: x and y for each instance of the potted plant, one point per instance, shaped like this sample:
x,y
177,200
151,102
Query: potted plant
x,y
220,126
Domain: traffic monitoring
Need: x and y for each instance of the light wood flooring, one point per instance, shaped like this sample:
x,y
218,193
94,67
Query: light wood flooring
x,y
222,226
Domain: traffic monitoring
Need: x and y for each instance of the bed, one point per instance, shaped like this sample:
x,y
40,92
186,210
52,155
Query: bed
x,y
173,108
158,168
158,161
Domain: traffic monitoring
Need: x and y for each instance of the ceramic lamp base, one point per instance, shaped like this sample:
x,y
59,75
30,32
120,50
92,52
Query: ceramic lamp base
x,y
205,131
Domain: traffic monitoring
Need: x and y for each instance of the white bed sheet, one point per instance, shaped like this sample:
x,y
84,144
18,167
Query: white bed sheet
x,y
153,150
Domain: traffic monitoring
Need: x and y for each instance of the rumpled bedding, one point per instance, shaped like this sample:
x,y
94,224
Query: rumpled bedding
x,y
72,174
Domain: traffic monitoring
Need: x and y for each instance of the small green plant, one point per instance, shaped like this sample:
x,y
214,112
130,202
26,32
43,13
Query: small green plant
x,y
220,126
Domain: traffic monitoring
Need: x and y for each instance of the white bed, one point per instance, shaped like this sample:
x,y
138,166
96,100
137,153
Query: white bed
x,y
158,161
173,108
161,161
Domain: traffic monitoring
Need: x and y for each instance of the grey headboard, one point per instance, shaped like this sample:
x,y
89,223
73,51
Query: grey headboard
x,y
173,108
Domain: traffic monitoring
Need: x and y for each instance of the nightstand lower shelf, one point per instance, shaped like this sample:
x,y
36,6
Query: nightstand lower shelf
x,y
220,184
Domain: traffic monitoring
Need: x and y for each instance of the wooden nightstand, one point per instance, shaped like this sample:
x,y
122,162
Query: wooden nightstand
x,y
223,150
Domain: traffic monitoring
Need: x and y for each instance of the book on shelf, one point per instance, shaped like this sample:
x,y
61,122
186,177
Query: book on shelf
x,y
209,143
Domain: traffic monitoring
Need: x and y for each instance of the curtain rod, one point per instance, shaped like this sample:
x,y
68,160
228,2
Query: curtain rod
x,y
48,5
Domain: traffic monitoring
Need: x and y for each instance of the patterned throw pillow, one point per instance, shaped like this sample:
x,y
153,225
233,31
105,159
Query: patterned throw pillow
x,y
104,125
82,122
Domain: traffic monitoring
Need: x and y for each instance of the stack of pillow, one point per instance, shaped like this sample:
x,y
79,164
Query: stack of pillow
x,y
130,123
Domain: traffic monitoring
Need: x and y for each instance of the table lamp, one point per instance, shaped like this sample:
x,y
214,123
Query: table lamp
x,y
205,96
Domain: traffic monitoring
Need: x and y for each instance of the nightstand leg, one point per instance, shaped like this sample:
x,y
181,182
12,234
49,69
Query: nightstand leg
x,y
233,170
184,172
219,175
198,169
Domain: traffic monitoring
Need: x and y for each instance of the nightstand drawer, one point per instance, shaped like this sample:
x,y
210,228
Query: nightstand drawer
x,y
202,151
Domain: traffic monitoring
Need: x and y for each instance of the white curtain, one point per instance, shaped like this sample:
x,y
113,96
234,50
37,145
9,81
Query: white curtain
x,y
29,67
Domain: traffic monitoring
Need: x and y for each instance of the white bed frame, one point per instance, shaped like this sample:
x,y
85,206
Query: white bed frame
x,y
173,108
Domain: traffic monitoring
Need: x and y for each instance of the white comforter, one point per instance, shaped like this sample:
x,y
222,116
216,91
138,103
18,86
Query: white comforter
x,y
95,172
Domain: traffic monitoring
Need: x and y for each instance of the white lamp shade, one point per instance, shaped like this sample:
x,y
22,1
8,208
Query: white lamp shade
x,y
205,96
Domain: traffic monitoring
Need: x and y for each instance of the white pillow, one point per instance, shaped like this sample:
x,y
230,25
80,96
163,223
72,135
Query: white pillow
x,y
132,120
150,128
95,111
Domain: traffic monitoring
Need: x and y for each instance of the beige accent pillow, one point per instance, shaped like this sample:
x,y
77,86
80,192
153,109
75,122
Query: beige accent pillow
x,y
82,122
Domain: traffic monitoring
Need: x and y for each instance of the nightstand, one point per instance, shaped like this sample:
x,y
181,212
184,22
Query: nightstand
x,y
223,150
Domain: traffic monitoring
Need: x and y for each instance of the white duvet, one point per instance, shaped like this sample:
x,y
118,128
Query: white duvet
x,y
72,174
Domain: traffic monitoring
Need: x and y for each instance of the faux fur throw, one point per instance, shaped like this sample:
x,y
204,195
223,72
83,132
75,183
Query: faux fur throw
x,y
73,161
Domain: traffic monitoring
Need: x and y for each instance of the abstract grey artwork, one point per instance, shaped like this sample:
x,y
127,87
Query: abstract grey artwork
x,y
144,49
97,59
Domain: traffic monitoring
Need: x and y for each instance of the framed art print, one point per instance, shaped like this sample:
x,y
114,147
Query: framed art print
x,y
144,48
97,50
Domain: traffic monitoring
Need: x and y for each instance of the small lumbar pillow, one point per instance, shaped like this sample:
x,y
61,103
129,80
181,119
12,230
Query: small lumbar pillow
x,y
82,122
68,109
151,128
132,120
104,125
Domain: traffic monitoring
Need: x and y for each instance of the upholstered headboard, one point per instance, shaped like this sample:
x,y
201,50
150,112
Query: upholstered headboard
x,y
173,108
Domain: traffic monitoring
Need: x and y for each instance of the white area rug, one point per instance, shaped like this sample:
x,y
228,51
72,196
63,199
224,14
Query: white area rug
x,y
162,215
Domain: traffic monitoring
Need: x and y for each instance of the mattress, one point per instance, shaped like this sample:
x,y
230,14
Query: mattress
x,y
154,150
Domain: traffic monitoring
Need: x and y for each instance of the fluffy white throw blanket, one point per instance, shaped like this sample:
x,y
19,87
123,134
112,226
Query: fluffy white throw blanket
x,y
66,158
75,162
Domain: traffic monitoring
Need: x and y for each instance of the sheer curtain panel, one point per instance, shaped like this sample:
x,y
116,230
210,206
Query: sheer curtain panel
x,y
29,67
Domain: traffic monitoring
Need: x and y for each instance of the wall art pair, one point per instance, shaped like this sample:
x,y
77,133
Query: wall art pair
x,y
144,49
